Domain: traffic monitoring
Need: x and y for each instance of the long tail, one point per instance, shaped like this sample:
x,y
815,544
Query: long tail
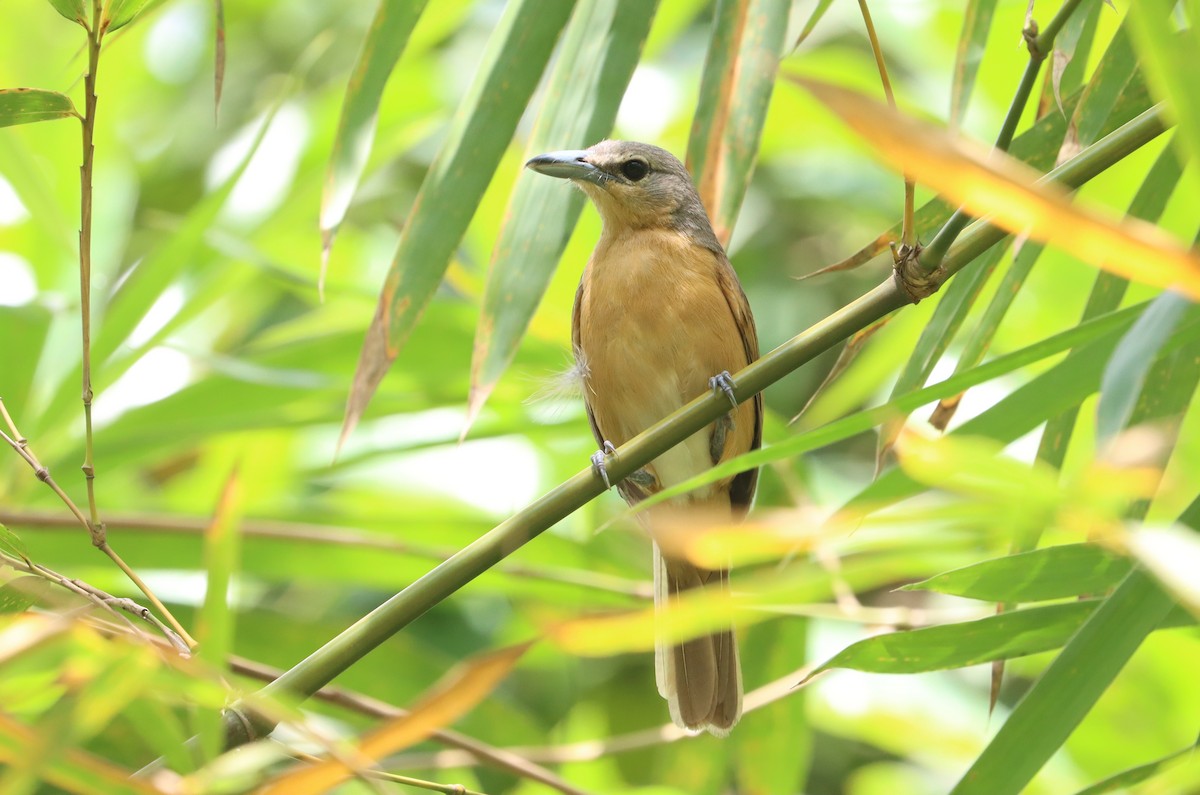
x,y
701,679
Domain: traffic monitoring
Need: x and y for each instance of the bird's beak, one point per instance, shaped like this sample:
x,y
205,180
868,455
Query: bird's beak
x,y
569,164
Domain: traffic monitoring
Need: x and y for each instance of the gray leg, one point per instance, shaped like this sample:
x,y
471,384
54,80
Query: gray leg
x,y
723,382
598,458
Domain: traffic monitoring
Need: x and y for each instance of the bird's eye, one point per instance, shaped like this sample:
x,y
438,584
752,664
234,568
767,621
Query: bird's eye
x,y
635,169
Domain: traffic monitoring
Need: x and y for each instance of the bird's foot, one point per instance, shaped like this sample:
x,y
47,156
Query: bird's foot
x,y
598,459
723,382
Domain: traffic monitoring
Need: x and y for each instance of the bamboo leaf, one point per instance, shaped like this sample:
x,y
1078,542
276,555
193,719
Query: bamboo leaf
x,y
1004,636
514,59
1058,572
818,11
1108,289
1037,146
11,544
1065,67
1169,57
739,73
1117,74
1052,392
218,54
1123,378
18,593
121,12
70,9
29,105
137,292
1068,688
948,316
214,628
74,770
600,50
1136,775
1008,192
972,44
460,690
384,43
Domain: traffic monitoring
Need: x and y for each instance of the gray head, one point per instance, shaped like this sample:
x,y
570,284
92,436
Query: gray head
x,y
634,186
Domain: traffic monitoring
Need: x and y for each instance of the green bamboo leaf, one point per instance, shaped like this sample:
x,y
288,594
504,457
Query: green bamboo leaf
x,y
158,269
1116,75
1004,636
739,73
73,770
1169,59
948,316
184,246
162,731
601,47
1107,291
511,65
11,544
813,18
1058,389
1066,691
29,105
218,54
1101,331
18,593
214,629
31,325
121,12
1056,572
385,42
1136,775
1121,384
70,9
1071,48
972,44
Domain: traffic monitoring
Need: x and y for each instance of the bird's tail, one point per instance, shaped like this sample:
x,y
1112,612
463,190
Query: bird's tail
x,y
701,679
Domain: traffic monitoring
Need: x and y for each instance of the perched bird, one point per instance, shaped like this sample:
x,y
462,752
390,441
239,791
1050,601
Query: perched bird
x,y
659,319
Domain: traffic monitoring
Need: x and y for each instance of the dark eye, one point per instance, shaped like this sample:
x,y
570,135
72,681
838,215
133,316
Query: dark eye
x,y
635,169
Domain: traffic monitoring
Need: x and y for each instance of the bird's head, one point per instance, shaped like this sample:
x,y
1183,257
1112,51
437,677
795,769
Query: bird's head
x,y
633,185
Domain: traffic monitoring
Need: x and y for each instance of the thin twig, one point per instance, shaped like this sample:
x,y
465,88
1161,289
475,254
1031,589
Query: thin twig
x,y
1039,45
383,775
374,708
95,34
100,598
338,536
590,750
908,229
21,445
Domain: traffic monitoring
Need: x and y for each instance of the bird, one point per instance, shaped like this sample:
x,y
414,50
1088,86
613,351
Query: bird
x,y
660,318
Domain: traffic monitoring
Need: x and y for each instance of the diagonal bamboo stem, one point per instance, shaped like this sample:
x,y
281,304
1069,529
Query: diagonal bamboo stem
x,y
319,668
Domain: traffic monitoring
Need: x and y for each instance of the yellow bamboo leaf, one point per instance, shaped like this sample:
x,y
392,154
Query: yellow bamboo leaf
x,y
1008,192
450,698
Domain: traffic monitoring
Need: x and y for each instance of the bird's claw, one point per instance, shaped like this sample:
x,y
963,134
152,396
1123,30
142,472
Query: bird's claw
x,y
598,459
723,382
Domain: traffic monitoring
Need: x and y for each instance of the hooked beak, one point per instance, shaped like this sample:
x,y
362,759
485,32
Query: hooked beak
x,y
569,164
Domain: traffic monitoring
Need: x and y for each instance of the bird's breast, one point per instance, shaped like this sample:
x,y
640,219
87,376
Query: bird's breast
x,y
654,326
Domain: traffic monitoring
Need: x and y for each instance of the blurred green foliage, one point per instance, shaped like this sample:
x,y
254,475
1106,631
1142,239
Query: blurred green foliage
x,y
213,351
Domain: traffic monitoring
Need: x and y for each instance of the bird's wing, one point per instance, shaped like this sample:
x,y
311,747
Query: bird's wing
x,y
576,351
741,491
